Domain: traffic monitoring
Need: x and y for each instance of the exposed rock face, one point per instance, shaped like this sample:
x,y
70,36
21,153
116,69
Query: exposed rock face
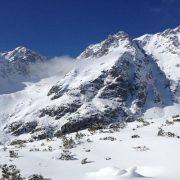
x,y
18,128
42,132
116,84
60,111
38,131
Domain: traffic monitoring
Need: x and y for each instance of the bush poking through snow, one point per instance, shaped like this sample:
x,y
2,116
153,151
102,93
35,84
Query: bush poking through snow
x,y
13,154
35,149
4,148
89,140
117,126
93,127
87,150
68,143
135,136
10,173
20,143
108,138
108,130
79,136
85,161
170,134
143,123
169,122
35,177
67,155
141,148
161,132
108,158
175,116
50,148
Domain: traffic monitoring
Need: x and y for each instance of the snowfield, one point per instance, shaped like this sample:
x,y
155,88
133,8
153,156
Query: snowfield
x,y
119,157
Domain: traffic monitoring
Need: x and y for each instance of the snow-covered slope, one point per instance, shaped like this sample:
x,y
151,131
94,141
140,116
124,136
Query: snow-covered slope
x,y
133,152
165,49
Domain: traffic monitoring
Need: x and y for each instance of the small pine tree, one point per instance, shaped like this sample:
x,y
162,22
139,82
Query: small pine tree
x,y
68,143
10,173
67,155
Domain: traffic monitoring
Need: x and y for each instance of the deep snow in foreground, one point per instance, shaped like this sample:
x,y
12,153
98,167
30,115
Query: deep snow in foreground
x,y
118,157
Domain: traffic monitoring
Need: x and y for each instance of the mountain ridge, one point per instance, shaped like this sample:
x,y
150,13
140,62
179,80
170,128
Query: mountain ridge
x,y
116,80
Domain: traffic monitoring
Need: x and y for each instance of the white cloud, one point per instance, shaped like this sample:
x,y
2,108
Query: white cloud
x,y
53,66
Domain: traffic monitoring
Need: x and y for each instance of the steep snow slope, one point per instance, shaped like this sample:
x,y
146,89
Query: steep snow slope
x,y
165,49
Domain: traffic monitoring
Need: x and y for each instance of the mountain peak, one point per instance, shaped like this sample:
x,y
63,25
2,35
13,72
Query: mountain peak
x,y
177,29
104,47
173,31
19,60
121,35
21,48
22,54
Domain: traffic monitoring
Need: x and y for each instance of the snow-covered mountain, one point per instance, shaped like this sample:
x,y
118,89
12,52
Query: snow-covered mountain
x,y
18,65
22,54
119,79
19,60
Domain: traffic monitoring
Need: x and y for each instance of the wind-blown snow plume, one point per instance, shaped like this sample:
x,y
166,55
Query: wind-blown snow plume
x,y
53,66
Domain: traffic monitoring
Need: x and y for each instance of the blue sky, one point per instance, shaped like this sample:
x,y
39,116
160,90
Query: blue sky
x,y
66,27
